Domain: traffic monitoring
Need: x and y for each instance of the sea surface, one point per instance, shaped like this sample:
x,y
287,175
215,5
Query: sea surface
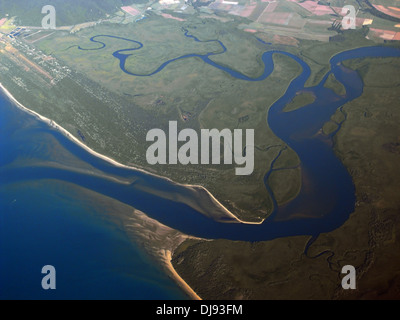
x,y
52,222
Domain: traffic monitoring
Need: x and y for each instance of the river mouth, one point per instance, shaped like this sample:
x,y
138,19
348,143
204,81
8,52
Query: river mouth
x,y
327,188
325,202
326,199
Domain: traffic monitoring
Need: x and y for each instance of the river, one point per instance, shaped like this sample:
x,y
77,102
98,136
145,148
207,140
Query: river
x,y
25,141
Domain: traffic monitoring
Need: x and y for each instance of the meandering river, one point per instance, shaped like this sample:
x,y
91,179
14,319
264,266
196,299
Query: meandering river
x,y
330,196
326,203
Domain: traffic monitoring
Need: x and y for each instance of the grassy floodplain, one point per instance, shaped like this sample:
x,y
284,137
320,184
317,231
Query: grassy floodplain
x,y
369,145
196,95
205,96
113,112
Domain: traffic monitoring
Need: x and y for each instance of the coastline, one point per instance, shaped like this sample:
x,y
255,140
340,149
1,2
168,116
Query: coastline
x,y
163,255
182,283
160,242
227,213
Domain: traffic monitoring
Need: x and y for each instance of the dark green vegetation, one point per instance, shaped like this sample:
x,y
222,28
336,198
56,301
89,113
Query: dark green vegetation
x,y
204,96
69,12
300,100
114,111
335,85
317,54
369,146
197,95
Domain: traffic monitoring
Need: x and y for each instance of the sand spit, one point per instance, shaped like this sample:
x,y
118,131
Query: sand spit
x,y
206,203
160,241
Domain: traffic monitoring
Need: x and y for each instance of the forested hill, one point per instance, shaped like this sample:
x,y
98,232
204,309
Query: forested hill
x,y
69,12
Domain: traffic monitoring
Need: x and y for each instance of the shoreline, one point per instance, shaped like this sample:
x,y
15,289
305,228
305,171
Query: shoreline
x,y
70,136
160,242
182,283
165,255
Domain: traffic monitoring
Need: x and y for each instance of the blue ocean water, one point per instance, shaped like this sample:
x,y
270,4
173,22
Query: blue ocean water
x,y
51,222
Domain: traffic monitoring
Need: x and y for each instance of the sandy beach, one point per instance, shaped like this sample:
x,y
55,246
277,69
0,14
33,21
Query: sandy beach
x,y
223,214
160,241
163,241
192,294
